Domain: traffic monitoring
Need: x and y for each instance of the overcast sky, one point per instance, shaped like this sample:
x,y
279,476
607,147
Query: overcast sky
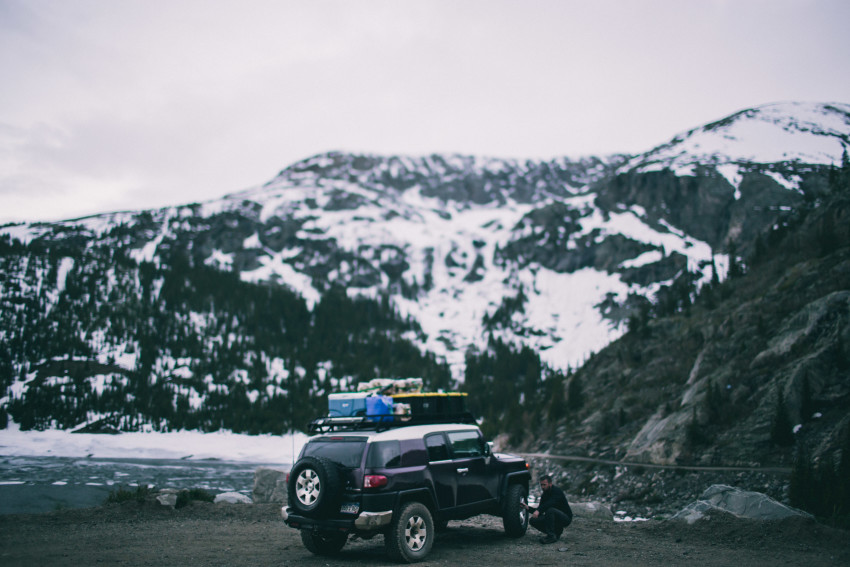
x,y
115,104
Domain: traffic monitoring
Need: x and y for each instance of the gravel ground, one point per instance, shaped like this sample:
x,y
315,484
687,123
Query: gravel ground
x,y
134,534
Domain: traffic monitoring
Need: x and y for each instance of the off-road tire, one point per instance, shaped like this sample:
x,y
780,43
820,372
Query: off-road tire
x,y
515,516
315,486
323,543
411,534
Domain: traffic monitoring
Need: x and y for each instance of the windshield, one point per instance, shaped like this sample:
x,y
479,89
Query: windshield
x,y
346,451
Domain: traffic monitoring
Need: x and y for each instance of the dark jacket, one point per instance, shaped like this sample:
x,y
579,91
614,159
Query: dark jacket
x,y
554,498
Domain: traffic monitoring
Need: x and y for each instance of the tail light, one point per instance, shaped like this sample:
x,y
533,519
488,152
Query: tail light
x,y
374,481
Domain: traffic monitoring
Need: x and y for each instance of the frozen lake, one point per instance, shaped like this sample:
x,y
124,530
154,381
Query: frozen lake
x,y
42,484
41,471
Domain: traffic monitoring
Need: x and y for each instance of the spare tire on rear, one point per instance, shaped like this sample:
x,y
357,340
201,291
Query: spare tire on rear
x,y
315,486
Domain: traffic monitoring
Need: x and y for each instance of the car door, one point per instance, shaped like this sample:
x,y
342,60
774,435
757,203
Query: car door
x,y
470,459
442,470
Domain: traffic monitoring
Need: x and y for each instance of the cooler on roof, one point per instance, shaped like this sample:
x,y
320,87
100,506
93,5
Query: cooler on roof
x,y
347,404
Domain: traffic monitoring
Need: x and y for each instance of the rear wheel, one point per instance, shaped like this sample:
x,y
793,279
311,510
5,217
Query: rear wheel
x,y
323,543
314,486
515,515
411,534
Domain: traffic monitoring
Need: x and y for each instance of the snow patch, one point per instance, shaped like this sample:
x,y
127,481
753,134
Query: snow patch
x,y
65,266
732,173
792,183
221,445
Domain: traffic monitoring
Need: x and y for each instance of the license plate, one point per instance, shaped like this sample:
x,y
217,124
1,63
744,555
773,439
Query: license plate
x,y
349,508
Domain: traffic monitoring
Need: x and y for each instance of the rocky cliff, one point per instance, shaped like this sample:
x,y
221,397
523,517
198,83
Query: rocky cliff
x,y
755,370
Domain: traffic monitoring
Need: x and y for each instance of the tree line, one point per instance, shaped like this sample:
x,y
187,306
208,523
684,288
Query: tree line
x,y
176,345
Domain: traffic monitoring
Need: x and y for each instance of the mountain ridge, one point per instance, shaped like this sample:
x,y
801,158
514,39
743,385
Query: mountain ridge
x,y
508,214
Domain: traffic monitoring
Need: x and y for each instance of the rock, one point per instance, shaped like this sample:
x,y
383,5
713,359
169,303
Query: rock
x,y
167,497
740,503
595,510
811,324
693,512
232,498
269,485
661,439
101,426
280,494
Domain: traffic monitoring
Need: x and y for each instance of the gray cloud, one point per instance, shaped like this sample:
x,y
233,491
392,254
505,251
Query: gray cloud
x,y
135,104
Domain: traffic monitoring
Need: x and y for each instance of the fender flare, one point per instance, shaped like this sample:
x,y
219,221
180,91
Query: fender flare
x,y
422,495
518,477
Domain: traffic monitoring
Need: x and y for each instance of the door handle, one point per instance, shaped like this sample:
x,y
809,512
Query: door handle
x,y
463,470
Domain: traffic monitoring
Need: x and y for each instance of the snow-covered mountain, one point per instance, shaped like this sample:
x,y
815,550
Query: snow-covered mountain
x,y
554,255
799,133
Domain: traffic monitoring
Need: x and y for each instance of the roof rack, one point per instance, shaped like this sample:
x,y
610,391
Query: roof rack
x,y
384,422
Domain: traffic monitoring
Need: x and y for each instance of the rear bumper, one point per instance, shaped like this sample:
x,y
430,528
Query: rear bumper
x,y
364,522
368,521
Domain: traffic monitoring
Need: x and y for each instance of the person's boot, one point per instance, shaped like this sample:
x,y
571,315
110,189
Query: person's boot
x,y
550,538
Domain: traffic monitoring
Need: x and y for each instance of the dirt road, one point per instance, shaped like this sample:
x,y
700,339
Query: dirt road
x,y
131,534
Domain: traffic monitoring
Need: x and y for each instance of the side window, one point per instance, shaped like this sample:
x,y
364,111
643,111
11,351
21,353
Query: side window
x,y
437,450
384,455
413,453
466,444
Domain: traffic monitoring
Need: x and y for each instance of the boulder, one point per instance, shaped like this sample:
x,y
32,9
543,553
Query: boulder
x,y
270,485
740,503
232,498
167,497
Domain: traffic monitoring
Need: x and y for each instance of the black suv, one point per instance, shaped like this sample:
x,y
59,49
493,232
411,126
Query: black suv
x,y
402,482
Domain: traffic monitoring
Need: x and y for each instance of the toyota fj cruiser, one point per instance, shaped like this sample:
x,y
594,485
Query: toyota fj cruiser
x,y
401,481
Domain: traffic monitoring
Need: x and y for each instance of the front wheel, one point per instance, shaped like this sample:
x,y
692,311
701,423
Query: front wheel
x,y
323,543
411,534
515,517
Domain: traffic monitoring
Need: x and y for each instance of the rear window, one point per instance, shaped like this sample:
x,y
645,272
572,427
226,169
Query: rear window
x,y
383,455
347,451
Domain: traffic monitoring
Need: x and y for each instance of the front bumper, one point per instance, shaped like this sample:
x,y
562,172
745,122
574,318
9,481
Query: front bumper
x,y
364,522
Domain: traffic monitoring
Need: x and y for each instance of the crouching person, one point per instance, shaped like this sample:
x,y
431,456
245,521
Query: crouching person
x,y
553,513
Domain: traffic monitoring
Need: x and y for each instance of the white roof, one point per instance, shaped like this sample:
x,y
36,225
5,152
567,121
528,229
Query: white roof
x,y
400,433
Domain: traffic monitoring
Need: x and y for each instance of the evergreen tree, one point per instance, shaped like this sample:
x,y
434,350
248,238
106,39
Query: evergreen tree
x,y
713,403
807,405
735,268
557,403
781,431
575,393
694,433
842,493
801,487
